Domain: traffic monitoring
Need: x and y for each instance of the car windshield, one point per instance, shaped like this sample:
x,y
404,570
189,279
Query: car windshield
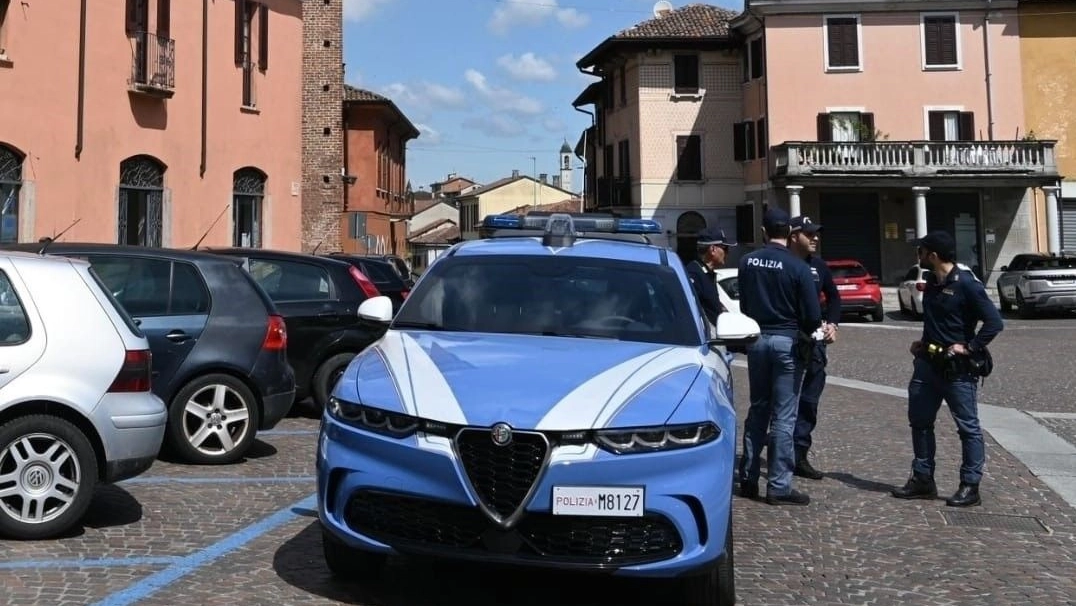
x,y
731,286
1053,263
555,296
848,271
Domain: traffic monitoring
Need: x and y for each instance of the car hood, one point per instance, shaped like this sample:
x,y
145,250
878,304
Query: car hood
x,y
529,382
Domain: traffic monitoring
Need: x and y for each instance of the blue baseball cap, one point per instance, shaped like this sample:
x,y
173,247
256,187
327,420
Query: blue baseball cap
x,y
710,237
775,218
803,223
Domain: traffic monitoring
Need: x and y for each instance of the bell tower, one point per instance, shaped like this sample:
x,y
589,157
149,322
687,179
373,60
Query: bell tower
x,y
566,167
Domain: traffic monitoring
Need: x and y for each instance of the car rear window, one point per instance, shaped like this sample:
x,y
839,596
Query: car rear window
x,y
382,274
848,271
127,319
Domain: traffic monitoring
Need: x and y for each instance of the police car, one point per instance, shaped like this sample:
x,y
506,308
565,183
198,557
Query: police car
x,y
545,397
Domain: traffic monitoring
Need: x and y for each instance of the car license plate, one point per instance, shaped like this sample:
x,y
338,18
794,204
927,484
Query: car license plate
x,y
846,287
619,501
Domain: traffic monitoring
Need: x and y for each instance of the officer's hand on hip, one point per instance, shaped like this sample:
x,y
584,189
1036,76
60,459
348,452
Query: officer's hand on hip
x,y
916,348
958,349
829,333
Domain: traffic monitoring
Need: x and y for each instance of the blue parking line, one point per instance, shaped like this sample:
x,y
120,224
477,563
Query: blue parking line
x,y
188,564
217,480
89,563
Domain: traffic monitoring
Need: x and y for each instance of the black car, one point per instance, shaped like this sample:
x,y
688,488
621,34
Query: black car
x,y
218,343
398,264
383,274
319,298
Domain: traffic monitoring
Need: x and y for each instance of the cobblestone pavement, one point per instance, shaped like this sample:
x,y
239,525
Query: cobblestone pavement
x,y
247,533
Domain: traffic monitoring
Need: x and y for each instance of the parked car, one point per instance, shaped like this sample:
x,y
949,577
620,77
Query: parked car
x,y
543,400
1037,282
319,297
861,293
399,265
383,274
75,402
910,290
218,343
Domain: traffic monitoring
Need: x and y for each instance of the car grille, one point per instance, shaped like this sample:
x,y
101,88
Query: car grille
x,y
502,476
412,523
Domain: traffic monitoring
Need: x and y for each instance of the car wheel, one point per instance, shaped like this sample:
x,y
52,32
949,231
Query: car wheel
x,y
878,314
48,472
326,376
1023,308
349,564
1005,305
718,586
212,420
903,307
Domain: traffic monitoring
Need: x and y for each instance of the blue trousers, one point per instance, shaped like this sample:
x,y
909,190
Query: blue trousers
x,y
775,377
814,381
926,391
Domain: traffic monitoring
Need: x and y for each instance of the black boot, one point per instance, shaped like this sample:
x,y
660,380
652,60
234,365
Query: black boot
x,y
917,487
803,467
966,496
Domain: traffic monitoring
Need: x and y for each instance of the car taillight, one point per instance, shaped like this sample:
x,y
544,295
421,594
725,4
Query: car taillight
x,y
920,286
364,283
404,293
276,336
872,281
135,373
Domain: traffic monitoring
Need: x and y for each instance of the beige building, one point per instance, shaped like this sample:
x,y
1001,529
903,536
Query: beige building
x,y
504,195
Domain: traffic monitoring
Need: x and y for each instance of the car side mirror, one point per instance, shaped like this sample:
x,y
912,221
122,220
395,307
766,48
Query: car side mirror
x,y
376,309
735,330
1004,268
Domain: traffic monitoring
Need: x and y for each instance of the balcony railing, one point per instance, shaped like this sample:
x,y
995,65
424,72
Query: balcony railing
x,y
153,68
915,158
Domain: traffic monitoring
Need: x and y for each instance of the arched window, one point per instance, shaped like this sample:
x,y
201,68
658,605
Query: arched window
x,y
141,201
248,192
10,183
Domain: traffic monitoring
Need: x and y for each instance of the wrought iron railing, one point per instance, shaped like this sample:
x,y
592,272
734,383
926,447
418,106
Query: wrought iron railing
x,y
153,61
915,157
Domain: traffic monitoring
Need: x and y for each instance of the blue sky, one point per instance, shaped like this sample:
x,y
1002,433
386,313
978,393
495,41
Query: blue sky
x,y
489,83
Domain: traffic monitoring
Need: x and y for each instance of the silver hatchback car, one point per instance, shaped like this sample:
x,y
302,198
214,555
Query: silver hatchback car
x,y
75,401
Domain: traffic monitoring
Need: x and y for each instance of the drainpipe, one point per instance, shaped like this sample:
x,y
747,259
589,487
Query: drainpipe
x,y
989,92
593,121
205,77
81,109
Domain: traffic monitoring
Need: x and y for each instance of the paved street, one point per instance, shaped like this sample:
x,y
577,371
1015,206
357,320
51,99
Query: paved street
x,y
247,534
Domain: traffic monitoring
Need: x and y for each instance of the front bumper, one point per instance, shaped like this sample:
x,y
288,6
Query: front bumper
x,y
411,496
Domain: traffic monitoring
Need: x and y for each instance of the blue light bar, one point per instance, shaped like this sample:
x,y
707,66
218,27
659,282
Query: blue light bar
x,y
580,223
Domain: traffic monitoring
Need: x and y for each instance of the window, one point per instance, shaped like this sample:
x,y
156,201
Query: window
x,y
10,184
950,126
941,41
248,195
356,225
141,201
623,153
140,285
760,132
689,158
846,126
245,13
743,141
758,62
14,325
4,6
842,42
290,280
686,73
622,81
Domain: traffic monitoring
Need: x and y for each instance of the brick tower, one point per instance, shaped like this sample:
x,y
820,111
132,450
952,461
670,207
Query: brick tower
x,y
323,136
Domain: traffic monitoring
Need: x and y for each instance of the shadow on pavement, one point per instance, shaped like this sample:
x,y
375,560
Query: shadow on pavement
x,y
860,483
111,506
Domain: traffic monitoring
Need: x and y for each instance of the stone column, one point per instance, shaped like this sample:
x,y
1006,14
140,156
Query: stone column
x,y
920,192
1053,223
793,199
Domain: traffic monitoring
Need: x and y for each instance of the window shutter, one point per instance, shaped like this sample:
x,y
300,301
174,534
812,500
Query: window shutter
x,y
240,17
866,127
164,18
825,128
835,35
757,59
947,40
745,223
936,126
739,145
760,129
931,41
749,139
263,37
967,126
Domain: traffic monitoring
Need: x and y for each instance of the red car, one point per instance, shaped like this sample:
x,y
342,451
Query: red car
x,y
861,293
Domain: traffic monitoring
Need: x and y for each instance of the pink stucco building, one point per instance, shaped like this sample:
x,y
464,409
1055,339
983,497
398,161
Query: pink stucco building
x,y
146,120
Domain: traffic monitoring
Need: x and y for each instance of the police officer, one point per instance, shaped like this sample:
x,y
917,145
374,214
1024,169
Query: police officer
x,y
803,242
954,303
777,291
712,249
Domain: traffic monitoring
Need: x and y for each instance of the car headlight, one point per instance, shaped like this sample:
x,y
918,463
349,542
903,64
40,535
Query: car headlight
x,y
655,439
391,424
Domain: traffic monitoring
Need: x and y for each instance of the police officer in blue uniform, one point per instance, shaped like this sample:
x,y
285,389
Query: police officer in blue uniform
x,y
777,291
804,243
948,362
713,249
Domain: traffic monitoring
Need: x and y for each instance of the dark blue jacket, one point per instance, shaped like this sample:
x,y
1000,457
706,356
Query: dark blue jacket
x,y
705,286
953,308
823,280
778,291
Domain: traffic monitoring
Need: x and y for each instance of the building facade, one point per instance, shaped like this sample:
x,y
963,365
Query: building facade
x,y
504,195
134,133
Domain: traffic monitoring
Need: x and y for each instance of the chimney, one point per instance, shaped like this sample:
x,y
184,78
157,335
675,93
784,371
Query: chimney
x,y
451,176
556,180
543,176
515,173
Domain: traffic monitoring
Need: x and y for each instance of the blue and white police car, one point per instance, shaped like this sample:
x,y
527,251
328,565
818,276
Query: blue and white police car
x,y
548,395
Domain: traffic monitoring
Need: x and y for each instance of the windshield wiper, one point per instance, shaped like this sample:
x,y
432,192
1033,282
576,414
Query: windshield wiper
x,y
576,335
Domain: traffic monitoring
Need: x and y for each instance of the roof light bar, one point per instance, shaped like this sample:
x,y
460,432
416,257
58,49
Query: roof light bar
x,y
565,223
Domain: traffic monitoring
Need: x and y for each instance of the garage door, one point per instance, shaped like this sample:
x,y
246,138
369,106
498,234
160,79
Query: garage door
x,y
1068,225
851,229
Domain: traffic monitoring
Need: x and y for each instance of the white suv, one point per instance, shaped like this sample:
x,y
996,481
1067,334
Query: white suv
x,y
75,401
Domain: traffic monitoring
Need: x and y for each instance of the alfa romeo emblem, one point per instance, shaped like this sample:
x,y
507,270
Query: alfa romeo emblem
x,y
501,434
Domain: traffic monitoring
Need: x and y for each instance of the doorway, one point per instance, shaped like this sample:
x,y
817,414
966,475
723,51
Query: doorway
x,y
958,214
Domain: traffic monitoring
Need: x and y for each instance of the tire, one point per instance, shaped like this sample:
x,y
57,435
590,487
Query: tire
x,y
1006,307
349,564
1025,310
326,376
56,506
716,587
904,311
878,314
221,424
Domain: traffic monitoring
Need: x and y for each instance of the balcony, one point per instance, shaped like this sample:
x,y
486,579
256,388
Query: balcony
x,y
153,68
1020,162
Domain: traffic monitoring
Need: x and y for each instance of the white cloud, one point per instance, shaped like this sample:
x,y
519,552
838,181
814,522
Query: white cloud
x,y
527,67
357,10
428,135
495,125
554,124
503,99
535,12
424,95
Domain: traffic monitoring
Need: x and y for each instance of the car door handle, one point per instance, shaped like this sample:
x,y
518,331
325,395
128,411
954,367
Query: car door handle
x,y
177,336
